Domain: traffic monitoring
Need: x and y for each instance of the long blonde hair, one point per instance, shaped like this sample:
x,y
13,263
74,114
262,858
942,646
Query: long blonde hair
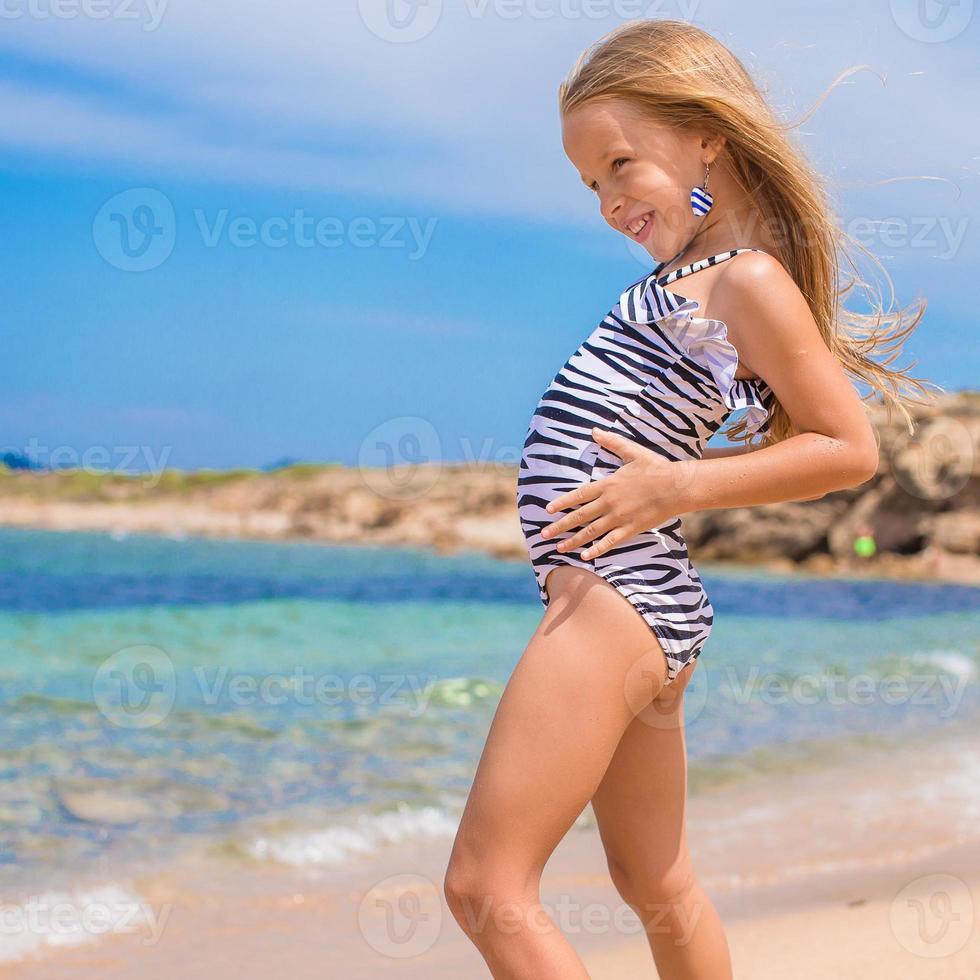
x,y
680,75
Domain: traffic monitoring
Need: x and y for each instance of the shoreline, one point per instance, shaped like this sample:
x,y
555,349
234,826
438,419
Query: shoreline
x,y
854,849
209,918
918,517
179,524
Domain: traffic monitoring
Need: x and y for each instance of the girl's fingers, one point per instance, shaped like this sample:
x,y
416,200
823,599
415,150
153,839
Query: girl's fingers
x,y
577,517
591,531
612,539
580,495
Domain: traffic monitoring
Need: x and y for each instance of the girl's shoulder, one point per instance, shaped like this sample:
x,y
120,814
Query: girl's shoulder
x,y
763,309
754,269
756,288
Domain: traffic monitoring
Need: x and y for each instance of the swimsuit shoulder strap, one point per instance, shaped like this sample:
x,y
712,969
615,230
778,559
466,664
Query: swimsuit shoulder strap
x,y
700,264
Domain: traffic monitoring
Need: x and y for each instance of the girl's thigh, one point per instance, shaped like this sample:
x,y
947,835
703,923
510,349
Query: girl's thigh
x,y
591,664
640,802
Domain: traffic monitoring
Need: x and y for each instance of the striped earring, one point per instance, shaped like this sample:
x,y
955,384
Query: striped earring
x,y
701,199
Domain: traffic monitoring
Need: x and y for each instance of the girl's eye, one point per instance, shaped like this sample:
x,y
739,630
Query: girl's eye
x,y
615,166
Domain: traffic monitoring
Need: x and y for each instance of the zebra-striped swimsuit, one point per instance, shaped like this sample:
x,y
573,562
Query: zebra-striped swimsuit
x,y
657,374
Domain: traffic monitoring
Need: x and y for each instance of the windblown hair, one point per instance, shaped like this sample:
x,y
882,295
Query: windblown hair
x,y
679,75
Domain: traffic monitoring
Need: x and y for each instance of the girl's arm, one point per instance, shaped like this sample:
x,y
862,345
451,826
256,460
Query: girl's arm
x,y
835,445
720,452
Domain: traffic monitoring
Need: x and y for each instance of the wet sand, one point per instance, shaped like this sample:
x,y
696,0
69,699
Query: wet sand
x,y
864,868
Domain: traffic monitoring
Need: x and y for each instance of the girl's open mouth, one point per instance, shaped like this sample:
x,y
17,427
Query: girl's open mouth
x,y
640,228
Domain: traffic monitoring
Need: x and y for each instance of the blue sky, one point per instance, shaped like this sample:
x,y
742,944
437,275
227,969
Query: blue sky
x,y
366,241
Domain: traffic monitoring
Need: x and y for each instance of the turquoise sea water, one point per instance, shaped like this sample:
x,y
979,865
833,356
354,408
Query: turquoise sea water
x,y
302,702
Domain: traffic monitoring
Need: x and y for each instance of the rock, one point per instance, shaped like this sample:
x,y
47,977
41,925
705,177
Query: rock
x,y
957,531
105,806
921,507
772,531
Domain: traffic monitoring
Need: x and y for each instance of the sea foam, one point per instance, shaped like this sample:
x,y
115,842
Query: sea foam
x,y
359,836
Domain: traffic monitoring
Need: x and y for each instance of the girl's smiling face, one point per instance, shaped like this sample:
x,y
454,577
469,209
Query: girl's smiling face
x,y
641,171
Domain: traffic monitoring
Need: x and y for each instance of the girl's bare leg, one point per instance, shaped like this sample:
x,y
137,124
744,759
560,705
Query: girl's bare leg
x,y
640,807
591,664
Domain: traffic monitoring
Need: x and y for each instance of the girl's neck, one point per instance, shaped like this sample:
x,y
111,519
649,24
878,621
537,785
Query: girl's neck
x,y
720,236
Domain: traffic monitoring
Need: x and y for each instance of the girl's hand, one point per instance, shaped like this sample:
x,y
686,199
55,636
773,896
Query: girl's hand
x,y
644,492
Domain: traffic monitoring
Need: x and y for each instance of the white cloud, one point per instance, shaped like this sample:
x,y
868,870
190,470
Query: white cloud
x,y
303,95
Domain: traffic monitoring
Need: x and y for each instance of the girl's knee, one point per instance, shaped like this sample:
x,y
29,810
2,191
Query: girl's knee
x,y
493,908
464,877
649,891
475,890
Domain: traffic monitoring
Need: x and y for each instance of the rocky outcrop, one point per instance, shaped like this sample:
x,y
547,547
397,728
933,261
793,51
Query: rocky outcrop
x,y
921,511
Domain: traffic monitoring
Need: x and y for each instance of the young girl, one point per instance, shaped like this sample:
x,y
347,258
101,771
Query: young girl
x,y
666,128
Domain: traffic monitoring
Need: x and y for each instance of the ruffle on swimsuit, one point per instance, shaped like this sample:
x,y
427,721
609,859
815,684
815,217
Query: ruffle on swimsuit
x,y
704,341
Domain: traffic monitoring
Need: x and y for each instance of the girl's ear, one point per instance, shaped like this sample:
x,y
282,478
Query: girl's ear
x,y
715,141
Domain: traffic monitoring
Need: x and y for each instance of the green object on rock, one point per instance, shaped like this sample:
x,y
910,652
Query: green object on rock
x,y
864,546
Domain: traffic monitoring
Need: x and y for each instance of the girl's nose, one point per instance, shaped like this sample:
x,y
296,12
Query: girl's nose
x,y
610,207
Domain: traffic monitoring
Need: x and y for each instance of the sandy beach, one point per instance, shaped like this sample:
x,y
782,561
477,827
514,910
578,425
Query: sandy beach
x,y
921,508
330,331
876,933
868,865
